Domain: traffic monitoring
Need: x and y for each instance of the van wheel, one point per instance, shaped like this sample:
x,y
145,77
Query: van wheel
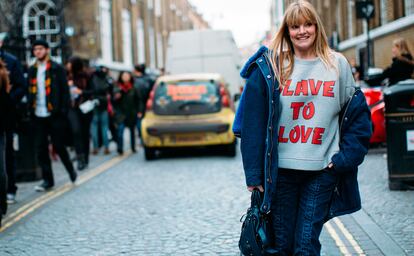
x,y
230,150
149,153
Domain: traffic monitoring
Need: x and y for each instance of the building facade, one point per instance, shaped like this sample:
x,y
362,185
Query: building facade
x,y
114,33
347,34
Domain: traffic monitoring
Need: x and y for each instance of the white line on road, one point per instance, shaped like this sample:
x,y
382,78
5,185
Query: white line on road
x,y
348,236
337,239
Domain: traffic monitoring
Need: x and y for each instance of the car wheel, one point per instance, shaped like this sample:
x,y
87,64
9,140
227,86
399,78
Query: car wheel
x,y
149,153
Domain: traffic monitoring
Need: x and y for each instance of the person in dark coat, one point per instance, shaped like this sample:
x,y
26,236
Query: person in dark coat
x,y
143,87
402,65
304,130
49,101
17,91
126,100
78,81
4,108
101,86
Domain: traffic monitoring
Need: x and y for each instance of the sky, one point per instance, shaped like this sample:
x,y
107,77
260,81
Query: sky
x,y
247,19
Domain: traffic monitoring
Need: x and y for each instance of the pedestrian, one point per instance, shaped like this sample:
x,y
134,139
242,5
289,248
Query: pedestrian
x,y
17,92
49,101
143,87
304,130
356,71
4,108
126,102
402,65
78,81
101,89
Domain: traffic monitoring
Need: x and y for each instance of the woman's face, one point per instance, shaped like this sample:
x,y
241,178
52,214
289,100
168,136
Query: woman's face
x,y
302,35
126,77
395,51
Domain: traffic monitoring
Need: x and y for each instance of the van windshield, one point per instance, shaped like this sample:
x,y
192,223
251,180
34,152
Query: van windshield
x,y
187,98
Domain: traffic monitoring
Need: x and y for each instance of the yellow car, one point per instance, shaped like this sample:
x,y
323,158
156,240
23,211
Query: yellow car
x,y
186,111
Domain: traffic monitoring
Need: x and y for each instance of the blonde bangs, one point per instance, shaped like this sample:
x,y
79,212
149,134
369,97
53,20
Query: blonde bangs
x,y
298,15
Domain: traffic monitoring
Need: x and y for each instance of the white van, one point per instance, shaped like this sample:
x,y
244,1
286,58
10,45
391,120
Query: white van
x,y
210,51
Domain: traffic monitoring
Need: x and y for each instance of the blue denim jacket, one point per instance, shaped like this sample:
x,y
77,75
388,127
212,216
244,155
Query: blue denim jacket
x,y
255,123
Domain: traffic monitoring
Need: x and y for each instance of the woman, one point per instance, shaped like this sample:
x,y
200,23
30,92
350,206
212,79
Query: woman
x,y
402,65
80,122
126,100
304,130
4,108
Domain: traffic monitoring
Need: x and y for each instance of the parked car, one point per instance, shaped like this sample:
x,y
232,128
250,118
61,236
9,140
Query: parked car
x,y
372,89
186,111
375,101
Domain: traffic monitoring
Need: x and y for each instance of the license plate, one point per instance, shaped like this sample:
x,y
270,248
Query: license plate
x,y
186,138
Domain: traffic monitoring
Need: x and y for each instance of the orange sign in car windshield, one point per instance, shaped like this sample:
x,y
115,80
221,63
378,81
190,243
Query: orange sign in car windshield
x,y
186,92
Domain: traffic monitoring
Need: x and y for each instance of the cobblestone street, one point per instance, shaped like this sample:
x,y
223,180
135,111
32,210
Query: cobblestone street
x,y
182,205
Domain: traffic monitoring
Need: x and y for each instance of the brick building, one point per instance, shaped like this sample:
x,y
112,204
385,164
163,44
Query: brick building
x,y
114,33
347,34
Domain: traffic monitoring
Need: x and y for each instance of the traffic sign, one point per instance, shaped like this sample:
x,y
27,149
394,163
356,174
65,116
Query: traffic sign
x,y
365,9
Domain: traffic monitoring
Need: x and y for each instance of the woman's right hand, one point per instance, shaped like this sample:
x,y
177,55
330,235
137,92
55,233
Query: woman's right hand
x,y
251,188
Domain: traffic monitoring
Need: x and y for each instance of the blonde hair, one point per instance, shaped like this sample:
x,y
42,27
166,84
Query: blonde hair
x,y
402,45
4,76
282,52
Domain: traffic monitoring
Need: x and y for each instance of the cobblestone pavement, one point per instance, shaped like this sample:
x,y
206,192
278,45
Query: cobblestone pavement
x,y
181,205
392,211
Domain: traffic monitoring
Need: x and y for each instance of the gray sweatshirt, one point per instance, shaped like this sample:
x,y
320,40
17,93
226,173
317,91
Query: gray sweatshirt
x,y
310,102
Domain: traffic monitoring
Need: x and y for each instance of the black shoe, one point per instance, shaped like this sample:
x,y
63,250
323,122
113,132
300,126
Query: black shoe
x,y
120,151
45,186
134,150
73,176
81,165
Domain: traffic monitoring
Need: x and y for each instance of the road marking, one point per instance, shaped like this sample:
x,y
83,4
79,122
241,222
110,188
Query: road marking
x,y
26,209
348,236
337,239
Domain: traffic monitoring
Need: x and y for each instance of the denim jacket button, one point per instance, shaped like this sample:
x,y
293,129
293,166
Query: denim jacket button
x,y
260,60
270,127
268,154
346,118
268,180
269,76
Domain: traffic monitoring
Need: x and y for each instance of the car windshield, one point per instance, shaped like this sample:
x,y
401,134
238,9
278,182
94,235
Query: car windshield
x,y
187,98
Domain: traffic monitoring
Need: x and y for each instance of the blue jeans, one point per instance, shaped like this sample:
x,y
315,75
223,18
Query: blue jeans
x,y
120,139
101,118
300,206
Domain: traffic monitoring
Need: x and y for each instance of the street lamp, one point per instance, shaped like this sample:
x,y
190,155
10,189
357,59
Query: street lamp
x,y
366,10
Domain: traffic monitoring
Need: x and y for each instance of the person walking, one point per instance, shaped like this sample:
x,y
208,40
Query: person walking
x,y
49,101
78,81
17,92
143,87
4,109
402,66
101,88
126,100
304,130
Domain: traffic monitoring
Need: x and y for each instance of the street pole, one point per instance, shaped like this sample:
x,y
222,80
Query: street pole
x,y
368,47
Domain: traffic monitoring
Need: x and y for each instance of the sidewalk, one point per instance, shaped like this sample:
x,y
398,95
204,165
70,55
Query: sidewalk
x,y
26,192
387,217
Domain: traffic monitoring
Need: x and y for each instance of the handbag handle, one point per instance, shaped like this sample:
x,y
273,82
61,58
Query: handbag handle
x,y
256,199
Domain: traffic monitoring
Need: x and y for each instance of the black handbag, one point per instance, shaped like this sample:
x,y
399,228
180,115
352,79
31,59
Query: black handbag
x,y
255,237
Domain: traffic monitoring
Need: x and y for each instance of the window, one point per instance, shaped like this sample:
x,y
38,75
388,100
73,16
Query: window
x,y
140,41
40,21
106,30
409,7
126,37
